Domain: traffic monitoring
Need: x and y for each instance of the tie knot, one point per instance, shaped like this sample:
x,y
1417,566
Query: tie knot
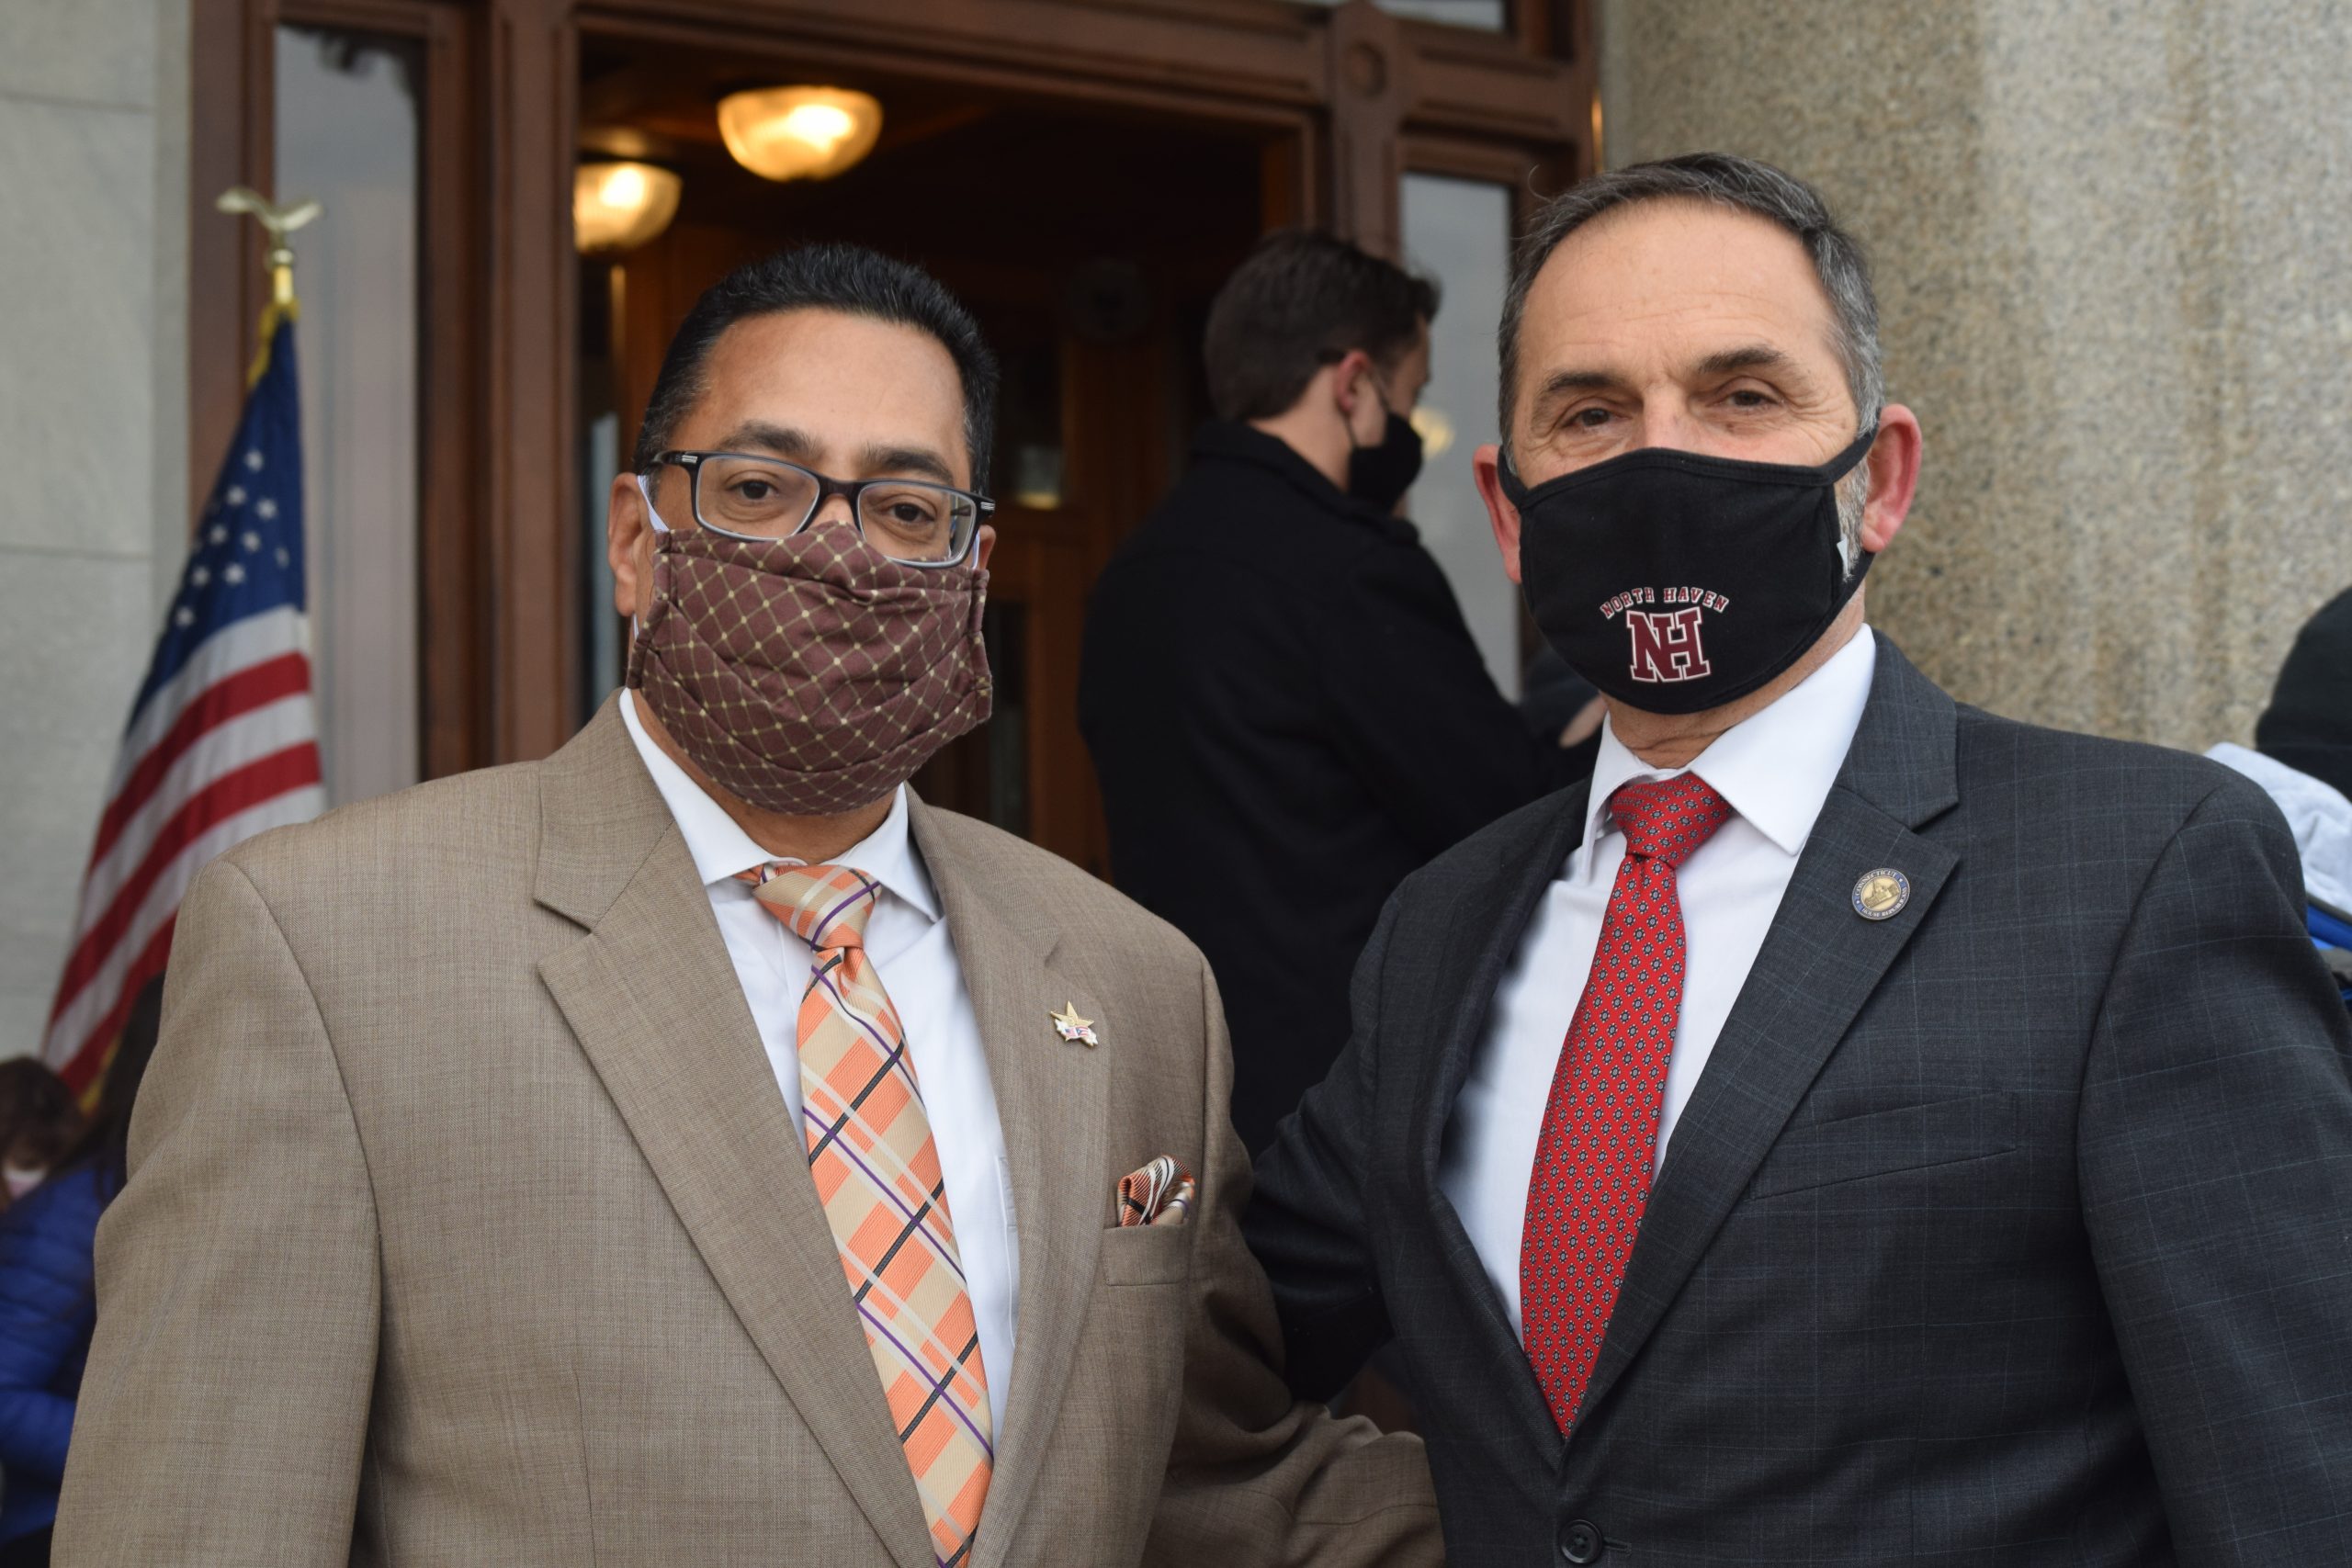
x,y
826,906
1669,819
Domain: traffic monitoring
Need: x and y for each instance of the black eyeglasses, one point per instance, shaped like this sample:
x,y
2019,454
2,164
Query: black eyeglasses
x,y
751,497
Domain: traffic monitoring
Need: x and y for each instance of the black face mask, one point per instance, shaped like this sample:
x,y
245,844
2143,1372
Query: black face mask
x,y
1678,583
1380,474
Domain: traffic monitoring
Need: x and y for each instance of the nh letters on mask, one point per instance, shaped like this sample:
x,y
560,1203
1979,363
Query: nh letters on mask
x,y
1667,645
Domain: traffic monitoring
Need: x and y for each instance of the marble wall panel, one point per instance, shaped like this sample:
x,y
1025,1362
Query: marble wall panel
x,y
85,51
75,645
93,149
2111,252
78,341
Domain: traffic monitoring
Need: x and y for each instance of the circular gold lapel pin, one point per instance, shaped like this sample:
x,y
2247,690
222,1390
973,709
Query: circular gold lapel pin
x,y
1882,894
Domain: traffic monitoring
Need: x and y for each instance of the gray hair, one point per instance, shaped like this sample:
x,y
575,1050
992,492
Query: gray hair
x,y
1723,179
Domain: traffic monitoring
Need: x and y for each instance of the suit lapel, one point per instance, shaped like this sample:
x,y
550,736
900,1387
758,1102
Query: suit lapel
x,y
1819,963
1051,1099
1479,952
652,995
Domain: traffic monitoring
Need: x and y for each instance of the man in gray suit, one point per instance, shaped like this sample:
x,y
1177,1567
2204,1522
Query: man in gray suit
x,y
1852,1128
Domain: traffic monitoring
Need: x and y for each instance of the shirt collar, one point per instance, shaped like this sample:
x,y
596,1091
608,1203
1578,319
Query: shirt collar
x,y
1236,441
1775,768
720,848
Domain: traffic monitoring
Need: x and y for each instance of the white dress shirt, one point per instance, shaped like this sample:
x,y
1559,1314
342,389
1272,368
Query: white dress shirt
x,y
1775,769
908,943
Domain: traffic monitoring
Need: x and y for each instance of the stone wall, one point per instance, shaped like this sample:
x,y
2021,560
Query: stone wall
x,y
2113,248
93,132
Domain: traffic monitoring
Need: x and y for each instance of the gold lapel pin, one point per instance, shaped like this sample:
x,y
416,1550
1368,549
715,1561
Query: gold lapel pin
x,y
1882,894
1070,1026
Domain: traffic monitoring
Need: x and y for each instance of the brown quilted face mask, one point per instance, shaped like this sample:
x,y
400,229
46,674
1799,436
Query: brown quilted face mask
x,y
813,674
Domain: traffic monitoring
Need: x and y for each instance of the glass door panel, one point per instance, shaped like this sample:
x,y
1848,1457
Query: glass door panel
x,y
347,120
1458,232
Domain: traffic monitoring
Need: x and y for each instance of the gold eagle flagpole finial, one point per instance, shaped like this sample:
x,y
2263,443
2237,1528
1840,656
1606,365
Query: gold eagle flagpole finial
x,y
280,222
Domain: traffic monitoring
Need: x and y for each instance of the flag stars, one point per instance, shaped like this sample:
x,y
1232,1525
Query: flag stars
x,y
285,556
218,534
235,495
252,541
183,617
252,458
265,509
197,575
233,574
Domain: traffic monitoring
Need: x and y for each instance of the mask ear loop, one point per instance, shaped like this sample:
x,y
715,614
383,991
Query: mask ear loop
x,y
1850,551
636,628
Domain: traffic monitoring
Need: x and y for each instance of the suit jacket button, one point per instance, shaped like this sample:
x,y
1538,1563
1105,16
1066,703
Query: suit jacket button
x,y
1580,1544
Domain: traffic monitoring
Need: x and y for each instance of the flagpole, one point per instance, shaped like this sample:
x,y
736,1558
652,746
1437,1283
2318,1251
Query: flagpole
x,y
280,222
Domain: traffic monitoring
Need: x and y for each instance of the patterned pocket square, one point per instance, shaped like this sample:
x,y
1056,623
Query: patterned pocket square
x,y
1159,1194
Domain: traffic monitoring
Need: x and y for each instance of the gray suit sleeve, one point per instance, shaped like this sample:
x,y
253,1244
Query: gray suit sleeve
x,y
224,1412
2215,1148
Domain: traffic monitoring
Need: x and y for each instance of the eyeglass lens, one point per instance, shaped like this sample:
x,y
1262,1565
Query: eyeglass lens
x,y
905,519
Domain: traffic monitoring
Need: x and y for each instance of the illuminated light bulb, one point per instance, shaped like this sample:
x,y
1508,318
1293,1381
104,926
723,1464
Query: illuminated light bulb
x,y
623,188
617,207
823,125
799,133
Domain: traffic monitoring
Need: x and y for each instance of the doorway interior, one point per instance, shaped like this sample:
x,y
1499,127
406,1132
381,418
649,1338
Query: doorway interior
x,y
1087,238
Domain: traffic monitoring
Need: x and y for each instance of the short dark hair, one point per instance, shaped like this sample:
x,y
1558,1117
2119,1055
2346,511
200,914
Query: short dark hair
x,y
1720,179
849,279
1300,301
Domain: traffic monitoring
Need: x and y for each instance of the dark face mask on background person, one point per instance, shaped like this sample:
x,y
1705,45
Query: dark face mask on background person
x,y
1676,581
810,674
1379,474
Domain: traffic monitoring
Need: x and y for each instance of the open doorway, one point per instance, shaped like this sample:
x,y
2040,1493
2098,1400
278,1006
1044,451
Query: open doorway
x,y
1087,237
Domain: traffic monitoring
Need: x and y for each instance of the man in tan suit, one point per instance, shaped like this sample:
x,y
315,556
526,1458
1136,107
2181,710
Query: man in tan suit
x,y
691,1148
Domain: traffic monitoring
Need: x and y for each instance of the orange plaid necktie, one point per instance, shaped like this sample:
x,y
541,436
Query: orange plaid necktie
x,y
877,1174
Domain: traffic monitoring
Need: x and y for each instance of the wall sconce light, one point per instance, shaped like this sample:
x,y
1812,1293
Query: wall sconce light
x,y
799,133
616,207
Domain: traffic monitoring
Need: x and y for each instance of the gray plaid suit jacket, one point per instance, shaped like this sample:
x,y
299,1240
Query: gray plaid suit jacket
x,y
2016,1229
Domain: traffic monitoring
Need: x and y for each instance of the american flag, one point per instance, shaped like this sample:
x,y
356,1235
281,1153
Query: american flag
x,y
222,742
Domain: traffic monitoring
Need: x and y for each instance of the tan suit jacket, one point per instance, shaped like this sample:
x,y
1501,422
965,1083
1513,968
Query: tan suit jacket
x,y
467,1225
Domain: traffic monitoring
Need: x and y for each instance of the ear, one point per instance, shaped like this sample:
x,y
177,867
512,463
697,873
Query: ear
x,y
629,539
984,545
1486,467
1348,378
1895,476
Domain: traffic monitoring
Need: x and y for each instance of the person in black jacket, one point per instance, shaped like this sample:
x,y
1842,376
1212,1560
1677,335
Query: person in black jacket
x,y
2309,723
1284,705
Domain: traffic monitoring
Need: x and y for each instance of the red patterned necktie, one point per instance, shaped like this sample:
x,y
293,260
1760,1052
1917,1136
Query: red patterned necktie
x,y
1592,1165
877,1174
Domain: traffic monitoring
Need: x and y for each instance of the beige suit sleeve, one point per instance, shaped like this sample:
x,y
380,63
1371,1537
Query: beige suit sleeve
x,y
1255,1477
224,1412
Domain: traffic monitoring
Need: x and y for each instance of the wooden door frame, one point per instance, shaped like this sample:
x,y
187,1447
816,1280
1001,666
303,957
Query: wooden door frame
x,y
1350,95
233,50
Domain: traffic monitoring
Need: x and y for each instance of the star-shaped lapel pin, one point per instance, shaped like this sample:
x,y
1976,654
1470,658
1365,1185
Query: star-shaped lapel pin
x,y
1070,1026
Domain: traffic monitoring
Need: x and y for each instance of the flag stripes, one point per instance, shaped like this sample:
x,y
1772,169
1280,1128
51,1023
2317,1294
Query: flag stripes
x,y
222,740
